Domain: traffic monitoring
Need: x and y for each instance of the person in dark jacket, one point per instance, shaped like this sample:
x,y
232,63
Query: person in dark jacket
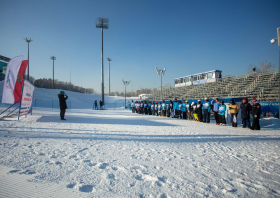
x,y
101,105
245,108
62,104
199,110
170,108
256,113
215,104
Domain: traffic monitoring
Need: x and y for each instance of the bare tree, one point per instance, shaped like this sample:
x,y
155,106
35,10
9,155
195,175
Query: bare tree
x,y
263,67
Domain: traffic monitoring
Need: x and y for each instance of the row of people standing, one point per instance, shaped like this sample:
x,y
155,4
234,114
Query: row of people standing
x,y
201,111
177,109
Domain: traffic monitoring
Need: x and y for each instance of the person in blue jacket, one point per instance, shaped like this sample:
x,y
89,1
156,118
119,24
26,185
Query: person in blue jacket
x,y
163,108
184,110
216,106
149,108
206,111
222,113
176,109
153,108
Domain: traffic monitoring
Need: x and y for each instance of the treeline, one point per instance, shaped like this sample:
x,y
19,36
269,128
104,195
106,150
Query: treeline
x,y
133,94
48,84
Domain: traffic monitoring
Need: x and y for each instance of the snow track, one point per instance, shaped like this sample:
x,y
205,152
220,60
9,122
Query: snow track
x,y
120,154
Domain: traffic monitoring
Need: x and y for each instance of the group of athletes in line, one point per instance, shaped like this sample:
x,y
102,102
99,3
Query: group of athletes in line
x,y
201,111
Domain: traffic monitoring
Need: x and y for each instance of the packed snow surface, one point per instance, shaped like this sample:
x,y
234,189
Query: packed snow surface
x,y
120,154
114,153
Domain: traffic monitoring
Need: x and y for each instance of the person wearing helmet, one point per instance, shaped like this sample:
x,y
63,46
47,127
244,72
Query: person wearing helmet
x,y
170,109
189,110
199,110
206,111
62,104
163,106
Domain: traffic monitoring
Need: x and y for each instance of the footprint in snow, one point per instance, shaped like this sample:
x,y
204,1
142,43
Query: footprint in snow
x,y
71,185
28,172
103,166
86,188
14,171
111,176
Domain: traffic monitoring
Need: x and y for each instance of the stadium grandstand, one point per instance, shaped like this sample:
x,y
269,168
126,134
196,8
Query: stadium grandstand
x,y
3,66
264,86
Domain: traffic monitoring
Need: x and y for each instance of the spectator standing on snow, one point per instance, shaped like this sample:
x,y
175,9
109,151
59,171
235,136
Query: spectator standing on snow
x,y
256,113
101,105
184,110
149,108
216,106
156,109
189,109
245,108
153,108
234,109
180,109
222,113
194,114
176,109
199,110
206,111
95,104
170,109
159,109
132,107
163,107
145,108
62,104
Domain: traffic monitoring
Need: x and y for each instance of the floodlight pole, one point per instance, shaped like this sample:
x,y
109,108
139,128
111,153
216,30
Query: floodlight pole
x,y
53,58
161,73
108,59
278,37
28,41
102,23
125,83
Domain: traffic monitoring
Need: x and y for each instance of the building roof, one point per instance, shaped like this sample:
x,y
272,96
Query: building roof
x,y
5,59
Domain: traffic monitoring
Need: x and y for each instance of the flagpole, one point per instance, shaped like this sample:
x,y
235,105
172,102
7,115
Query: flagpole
x,y
21,98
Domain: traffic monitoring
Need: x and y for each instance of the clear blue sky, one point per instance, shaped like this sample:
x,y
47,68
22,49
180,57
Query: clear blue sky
x,y
183,36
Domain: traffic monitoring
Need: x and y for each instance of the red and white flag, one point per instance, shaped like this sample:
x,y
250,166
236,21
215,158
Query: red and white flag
x,y
19,83
10,80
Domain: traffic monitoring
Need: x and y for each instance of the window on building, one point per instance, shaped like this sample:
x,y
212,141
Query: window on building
x,y
210,75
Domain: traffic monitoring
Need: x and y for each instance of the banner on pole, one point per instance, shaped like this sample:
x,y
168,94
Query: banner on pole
x,y
27,96
10,80
19,82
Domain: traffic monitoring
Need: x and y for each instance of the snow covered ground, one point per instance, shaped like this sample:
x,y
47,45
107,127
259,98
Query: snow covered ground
x,y
115,153
120,154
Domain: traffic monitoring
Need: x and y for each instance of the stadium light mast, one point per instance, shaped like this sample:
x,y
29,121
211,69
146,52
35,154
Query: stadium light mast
x,y
161,73
125,84
102,23
272,42
108,59
53,58
28,41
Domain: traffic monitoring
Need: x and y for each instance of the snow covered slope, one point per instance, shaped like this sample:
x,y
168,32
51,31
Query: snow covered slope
x,y
48,98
